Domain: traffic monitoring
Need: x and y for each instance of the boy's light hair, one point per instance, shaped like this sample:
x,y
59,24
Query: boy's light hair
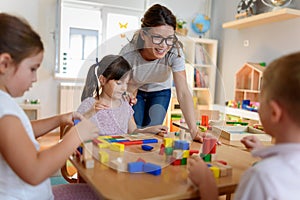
x,y
281,83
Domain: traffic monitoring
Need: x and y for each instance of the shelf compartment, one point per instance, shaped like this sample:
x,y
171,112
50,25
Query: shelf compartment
x,y
264,18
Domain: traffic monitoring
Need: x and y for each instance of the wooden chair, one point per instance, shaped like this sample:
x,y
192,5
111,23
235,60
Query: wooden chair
x,y
65,172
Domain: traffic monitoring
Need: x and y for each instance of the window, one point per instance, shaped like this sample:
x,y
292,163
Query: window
x,y
83,44
89,30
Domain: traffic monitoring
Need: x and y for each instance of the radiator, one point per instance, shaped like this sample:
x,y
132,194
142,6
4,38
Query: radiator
x,y
70,95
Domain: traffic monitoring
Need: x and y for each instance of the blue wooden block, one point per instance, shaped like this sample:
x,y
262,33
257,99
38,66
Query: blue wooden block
x,y
134,167
147,141
177,144
184,145
146,147
152,169
76,121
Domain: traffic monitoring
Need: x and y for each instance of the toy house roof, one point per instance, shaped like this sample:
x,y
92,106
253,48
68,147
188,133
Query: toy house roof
x,y
254,66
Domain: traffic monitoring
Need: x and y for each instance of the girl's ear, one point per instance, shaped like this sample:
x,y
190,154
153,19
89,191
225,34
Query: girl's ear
x,y
102,80
5,60
276,111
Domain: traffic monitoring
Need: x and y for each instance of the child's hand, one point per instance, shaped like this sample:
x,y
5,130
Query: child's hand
x,y
198,170
251,142
67,119
202,177
158,129
99,105
85,128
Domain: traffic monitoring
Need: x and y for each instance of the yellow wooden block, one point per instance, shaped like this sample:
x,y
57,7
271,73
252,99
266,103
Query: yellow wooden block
x,y
186,154
103,156
103,145
168,142
117,147
216,171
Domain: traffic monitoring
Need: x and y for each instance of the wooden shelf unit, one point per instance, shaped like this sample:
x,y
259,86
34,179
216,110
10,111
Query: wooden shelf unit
x,y
204,64
264,18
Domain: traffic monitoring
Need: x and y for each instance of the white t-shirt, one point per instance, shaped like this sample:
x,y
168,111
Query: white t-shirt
x,y
11,186
153,75
276,176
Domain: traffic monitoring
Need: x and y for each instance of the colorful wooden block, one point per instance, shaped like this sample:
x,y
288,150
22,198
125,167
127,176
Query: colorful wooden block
x,y
103,156
134,167
152,169
147,147
216,171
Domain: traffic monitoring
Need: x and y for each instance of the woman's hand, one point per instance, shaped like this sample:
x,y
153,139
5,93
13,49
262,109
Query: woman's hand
x,y
198,136
132,100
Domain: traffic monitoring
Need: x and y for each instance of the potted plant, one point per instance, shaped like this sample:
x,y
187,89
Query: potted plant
x,y
180,27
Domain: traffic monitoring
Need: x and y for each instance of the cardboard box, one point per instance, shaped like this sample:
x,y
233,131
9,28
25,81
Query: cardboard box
x,y
235,133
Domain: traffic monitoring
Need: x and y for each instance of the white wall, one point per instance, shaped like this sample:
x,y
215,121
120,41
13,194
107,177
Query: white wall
x,y
41,15
266,42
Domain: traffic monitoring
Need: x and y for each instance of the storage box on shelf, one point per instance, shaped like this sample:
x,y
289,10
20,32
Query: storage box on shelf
x,y
201,58
248,82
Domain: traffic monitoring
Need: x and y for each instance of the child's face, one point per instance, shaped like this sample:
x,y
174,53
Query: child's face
x,y
155,35
116,88
22,76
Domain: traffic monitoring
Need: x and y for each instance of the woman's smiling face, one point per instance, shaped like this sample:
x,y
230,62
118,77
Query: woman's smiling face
x,y
153,51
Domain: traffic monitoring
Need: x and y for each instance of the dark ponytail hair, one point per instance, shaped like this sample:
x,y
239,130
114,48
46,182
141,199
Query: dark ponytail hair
x,y
112,67
17,38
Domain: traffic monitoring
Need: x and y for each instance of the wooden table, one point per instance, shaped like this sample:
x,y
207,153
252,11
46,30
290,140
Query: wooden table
x,y
171,184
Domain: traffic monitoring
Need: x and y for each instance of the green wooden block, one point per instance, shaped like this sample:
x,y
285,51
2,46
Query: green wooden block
x,y
169,150
183,161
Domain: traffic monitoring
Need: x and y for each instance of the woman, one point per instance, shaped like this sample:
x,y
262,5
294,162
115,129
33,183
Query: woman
x,y
155,55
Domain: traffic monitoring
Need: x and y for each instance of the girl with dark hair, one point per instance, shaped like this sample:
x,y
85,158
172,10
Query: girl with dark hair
x,y
25,169
106,86
156,55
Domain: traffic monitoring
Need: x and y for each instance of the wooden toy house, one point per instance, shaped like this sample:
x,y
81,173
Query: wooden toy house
x,y
248,82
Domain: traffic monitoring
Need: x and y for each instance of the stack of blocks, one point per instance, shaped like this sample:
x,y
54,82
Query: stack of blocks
x,y
218,168
176,151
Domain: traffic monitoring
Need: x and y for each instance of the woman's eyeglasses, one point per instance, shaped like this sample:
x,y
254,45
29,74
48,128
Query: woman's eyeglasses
x,y
156,39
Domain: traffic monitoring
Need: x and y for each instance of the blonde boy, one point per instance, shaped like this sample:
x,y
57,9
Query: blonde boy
x,y
276,176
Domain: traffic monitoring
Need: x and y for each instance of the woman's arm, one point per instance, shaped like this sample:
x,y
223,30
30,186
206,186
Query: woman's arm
x,y
43,126
185,100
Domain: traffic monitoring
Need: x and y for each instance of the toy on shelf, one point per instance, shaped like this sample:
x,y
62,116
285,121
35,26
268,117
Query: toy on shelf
x,y
248,82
